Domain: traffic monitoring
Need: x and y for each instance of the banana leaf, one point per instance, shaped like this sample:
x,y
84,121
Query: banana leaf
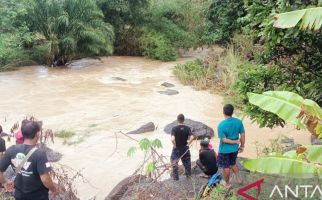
x,y
314,153
283,166
311,19
286,105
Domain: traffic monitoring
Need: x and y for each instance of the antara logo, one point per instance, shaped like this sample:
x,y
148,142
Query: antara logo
x,y
299,191
257,184
315,192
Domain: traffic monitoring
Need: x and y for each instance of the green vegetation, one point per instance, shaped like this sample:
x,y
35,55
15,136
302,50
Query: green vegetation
x,y
65,134
150,161
193,73
54,32
260,57
306,161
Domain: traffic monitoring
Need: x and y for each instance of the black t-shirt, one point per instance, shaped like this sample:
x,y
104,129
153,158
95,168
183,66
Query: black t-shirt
x,y
181,134
208,160
27,183
2,145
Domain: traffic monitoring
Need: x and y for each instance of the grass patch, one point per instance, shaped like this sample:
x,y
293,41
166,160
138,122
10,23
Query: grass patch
x,y
65,134
92,125
195,74
220,193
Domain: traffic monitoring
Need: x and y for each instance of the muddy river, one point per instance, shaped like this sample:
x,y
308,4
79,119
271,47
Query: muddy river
x,y
114,94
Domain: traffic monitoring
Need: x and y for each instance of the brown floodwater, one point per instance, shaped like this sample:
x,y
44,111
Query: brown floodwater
x,y
95,104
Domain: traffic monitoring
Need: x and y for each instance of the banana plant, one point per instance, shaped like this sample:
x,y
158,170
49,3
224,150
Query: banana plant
x,y
305,162
292,108
311,18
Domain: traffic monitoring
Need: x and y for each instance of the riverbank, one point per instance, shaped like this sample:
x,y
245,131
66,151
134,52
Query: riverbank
x,y
95,104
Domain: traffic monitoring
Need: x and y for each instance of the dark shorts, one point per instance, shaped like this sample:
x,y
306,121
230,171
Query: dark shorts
x,y
226,160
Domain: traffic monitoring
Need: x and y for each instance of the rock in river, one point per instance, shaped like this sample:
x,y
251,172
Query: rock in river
x,y
169,92
167,85
149,127
199,129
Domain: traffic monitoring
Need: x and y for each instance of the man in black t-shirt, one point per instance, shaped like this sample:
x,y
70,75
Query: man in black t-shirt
x,y
32,181
207,159
181,138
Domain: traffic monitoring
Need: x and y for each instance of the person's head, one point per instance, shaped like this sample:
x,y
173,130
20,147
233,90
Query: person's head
x,y
30,130
228,110
204,144
180,118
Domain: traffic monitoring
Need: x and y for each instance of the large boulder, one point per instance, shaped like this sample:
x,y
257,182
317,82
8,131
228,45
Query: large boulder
x,y
199,129
121,188
149,127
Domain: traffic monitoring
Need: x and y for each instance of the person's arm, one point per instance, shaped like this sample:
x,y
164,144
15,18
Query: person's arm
x,y
4,164
48,183
43,168
173,140
2,147
242,138
242,142
229,141
190,137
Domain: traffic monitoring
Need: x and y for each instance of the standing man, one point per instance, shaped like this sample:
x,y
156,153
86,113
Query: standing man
x,y
31,165
231,133
181,137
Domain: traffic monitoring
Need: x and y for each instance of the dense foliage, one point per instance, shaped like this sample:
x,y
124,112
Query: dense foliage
x,y
156,29
70,29
223,20
54,32
292,57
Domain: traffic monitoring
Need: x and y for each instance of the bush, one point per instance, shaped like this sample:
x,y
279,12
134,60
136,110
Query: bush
x,y
11,52
157,47
41,53
64,134
192,73
259,79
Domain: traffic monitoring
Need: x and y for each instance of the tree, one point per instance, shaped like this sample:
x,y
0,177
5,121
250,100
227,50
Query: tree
x,y
71,28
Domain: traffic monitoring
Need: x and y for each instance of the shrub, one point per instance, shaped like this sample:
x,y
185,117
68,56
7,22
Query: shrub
x,y
158,47
11,52
64,134
193,73
259,79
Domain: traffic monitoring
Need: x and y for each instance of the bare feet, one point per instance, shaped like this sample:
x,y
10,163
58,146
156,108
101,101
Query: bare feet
x,y
228,186
236,180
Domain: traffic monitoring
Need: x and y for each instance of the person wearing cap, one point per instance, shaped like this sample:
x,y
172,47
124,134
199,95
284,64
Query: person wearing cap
x,y
207,159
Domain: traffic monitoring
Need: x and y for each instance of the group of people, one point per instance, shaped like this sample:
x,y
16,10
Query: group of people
x,y
32,169
30,164
231,134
